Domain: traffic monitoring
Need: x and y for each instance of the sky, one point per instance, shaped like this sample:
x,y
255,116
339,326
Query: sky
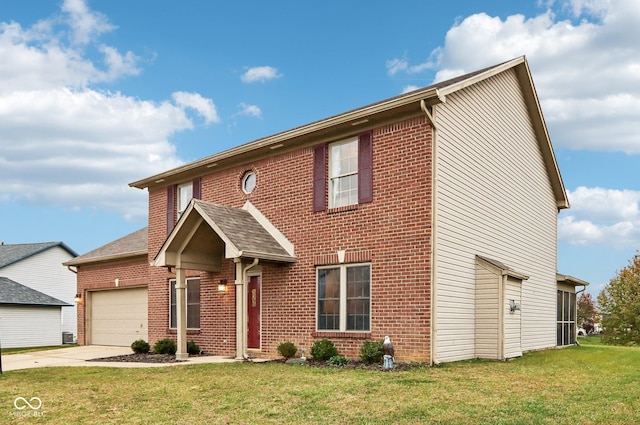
x,y
97,94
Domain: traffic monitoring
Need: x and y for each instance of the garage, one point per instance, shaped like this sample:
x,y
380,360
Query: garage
x,y
118,317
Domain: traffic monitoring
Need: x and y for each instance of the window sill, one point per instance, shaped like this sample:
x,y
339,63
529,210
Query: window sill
x,y
345,208
192,331
344,335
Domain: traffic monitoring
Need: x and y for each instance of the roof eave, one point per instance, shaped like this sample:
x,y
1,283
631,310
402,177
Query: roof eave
x,y
106,258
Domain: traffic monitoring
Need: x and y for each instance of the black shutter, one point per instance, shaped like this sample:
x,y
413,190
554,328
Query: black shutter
x,y
365,167
197,188
320,177
171,208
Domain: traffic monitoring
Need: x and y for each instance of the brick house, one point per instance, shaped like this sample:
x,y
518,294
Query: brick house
x,y
429,217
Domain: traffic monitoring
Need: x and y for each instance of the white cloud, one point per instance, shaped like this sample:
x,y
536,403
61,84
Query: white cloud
x,y
201,105
260,74
586,70
66,143
250,110
604,217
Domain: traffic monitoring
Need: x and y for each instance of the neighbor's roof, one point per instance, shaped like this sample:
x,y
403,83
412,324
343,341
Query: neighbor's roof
x,y
368,117
14,293
132,245
570,280
13,253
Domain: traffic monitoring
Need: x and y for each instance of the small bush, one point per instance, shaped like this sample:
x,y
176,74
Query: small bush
x,y
287,349
323,350
193,348
165,346
140,346
371,352
338,361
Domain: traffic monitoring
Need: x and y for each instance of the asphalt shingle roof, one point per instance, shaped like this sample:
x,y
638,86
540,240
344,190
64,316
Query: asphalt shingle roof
x,y
14,293
133,244
13,253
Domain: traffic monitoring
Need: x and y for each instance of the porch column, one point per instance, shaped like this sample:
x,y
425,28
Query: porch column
x,y
181,314
240,308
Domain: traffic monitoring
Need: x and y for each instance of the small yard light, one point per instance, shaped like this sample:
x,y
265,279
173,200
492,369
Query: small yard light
x,y
222,286
77,298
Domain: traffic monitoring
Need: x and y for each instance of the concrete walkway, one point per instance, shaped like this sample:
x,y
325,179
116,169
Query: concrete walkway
x,y
78,356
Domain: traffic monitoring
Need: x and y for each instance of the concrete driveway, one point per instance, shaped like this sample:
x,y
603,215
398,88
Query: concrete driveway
x,y
78,356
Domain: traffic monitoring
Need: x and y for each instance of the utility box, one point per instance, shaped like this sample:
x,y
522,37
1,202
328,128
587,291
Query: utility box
x,y
67,338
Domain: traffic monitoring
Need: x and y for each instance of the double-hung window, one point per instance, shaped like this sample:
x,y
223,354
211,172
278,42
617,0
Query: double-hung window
x,y
343,173
193,304
185,193
344,298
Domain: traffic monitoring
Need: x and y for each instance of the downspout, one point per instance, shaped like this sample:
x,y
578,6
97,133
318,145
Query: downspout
x,y
434,202
245,295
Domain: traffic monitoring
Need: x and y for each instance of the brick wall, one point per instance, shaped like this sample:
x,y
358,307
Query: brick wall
x,y
130,273
393,233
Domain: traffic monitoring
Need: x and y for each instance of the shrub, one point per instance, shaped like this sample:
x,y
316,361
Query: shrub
x,y
323,350
338,361
287,349
371,352
140,346
165,346
193,348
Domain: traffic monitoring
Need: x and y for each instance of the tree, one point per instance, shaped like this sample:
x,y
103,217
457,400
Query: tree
x,y
587,312
619,304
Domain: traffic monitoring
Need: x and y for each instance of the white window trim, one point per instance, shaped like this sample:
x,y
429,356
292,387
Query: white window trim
x,y
343,297
245,178
331,177
186,302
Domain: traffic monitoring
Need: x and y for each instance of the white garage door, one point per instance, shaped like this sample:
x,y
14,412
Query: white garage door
x,y
119,316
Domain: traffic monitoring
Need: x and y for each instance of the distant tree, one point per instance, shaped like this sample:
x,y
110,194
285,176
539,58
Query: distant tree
x,y
619,304
587,312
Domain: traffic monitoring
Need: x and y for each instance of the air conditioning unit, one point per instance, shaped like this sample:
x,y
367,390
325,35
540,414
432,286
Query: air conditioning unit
x,y
67,338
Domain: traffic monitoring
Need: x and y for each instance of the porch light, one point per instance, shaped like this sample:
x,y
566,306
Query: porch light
x,y
77,298
222,286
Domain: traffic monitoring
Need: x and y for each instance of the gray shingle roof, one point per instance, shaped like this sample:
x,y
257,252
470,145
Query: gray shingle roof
x,y
132,245
14,293
12,253
242,229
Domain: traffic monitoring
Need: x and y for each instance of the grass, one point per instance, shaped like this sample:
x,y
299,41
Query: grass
x,y
23,350
590,384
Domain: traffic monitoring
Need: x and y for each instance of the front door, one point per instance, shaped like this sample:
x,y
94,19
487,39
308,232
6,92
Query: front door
x,y
253,306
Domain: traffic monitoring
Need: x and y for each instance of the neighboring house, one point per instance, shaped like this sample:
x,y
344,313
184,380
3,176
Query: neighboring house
x,y
430,217
39,266
28,318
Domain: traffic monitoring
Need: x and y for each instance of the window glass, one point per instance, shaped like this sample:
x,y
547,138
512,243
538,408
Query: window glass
x,y
343,173
193,304
333,284
185,193
249,182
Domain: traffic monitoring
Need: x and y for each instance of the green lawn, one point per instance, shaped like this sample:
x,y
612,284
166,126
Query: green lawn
x,y
590,384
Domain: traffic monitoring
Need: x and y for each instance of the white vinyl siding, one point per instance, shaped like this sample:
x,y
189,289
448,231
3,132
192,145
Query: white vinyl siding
x,y
494,198
30,326
487,322
45,273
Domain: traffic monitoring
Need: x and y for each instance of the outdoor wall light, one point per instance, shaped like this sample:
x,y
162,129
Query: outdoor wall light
x,y
513,306
77,298
222,286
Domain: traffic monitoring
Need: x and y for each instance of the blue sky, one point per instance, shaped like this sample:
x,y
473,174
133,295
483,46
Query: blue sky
x,y
94,95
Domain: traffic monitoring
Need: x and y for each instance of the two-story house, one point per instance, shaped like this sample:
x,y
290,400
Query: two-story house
x,y
429,217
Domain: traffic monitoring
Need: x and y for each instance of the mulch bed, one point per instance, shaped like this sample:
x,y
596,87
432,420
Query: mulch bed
x,y
139,358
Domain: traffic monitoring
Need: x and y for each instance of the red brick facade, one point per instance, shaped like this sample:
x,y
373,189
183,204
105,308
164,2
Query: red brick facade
x,y
392,233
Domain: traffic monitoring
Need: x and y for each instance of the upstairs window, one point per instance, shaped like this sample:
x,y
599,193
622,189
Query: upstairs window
x,y
343,173
185,193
